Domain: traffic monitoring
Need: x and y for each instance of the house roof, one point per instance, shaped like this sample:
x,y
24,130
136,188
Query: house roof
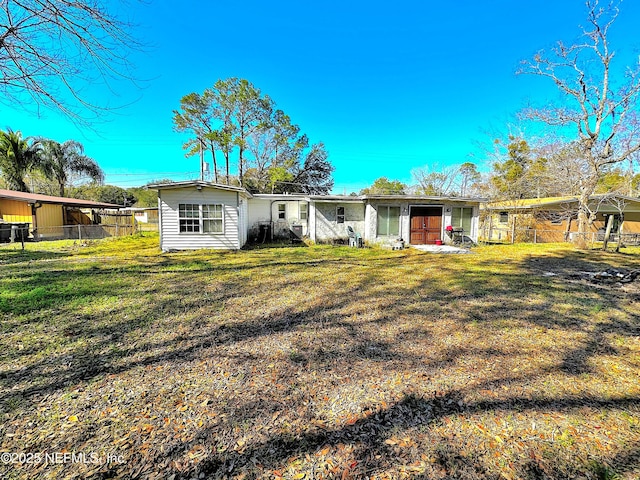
x,y
363,198
198,183
546,202
423,198
281,196
337,198
321,198
67,202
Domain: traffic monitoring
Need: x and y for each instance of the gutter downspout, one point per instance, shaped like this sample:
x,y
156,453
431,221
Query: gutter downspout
x,y
271,216
34,216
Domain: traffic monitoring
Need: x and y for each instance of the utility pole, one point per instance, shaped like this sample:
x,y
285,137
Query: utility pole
x,y
201,162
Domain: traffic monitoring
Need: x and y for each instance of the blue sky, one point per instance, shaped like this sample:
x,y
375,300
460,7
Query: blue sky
x,y
387,87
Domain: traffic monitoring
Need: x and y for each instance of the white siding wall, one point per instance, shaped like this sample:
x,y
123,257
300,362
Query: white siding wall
x,y
292,217
243,220
172,239
312,221
258,211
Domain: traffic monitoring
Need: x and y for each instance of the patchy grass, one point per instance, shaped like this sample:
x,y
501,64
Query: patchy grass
x,y
317,362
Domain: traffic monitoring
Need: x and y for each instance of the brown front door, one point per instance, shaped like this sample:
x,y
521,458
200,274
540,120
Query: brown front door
x,y
426,225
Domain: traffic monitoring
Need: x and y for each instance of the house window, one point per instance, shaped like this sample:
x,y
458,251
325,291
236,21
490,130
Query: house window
x,y
282,211
195,218
461,218
340,214
189,217
504,217
212,219
304,211
388,221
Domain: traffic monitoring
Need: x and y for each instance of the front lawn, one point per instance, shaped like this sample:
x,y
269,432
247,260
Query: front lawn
x,y
317,362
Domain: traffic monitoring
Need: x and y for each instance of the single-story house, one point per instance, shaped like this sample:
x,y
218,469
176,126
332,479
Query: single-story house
x,y
554,219
198,214
45,214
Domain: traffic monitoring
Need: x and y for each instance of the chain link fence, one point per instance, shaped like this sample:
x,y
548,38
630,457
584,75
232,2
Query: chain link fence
x,y
522,235
533,235
150,226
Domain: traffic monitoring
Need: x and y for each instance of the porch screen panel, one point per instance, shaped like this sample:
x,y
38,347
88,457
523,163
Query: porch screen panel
x,y
388,221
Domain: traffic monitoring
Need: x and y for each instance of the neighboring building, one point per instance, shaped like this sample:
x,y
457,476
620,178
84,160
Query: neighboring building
x,y
198,214
45,214
554,219
142,214
145,218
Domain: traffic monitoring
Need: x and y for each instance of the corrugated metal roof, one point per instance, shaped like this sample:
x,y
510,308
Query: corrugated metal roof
x,y
534,203
40,198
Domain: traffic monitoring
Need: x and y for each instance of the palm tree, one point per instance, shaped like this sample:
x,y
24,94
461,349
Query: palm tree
x,y
60,161
17,156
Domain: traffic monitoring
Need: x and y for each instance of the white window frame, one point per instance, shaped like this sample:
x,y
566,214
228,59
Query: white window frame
x,y
200,219
502,215
211,220
185,214
304,214
341,217
282,213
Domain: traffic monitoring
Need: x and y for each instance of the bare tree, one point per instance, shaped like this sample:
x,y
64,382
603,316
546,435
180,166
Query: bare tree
x,y
600,108
438,181
51,49
453,180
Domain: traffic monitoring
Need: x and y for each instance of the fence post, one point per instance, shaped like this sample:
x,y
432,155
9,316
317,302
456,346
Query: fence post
x,y
79,232
535,236
117,228
490,227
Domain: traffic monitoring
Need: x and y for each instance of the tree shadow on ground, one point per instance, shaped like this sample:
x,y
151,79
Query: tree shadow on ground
x,y
12,255
382,320
375,451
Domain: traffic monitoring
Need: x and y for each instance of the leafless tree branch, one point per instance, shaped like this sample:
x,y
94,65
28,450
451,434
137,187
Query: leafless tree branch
x,y
602,112
50,50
